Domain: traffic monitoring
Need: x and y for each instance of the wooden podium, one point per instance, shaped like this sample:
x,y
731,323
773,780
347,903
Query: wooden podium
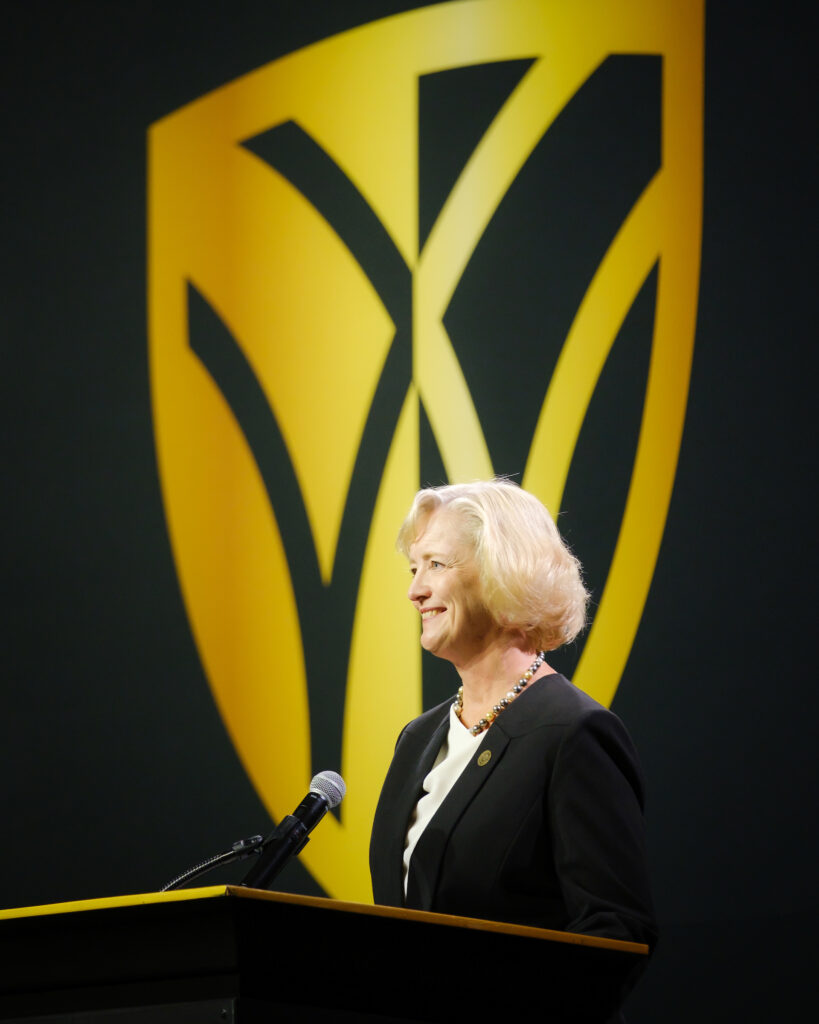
x,y
228,954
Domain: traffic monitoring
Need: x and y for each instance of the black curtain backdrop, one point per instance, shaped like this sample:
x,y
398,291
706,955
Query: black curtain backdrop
x,y
117,772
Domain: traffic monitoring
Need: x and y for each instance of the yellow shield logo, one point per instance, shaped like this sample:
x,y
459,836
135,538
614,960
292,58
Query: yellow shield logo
x,y
298,328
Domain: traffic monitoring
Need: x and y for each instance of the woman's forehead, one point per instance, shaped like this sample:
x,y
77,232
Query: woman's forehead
x,y
441,530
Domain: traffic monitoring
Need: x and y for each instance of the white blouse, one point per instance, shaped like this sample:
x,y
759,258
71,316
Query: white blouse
x,y
453,757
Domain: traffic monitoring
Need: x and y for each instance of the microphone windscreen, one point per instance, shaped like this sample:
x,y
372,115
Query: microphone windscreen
x,y
330,785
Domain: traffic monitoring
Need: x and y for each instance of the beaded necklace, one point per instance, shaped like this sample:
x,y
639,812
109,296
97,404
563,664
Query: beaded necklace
x,y
504,703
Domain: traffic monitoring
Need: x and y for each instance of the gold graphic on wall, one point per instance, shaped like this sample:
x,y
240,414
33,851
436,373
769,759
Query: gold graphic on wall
x,y
316,337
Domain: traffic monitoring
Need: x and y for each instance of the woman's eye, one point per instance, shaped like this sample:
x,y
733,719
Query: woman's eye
x,y
436,565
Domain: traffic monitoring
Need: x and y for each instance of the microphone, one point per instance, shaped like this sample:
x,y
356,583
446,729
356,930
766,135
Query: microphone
x,y
293,832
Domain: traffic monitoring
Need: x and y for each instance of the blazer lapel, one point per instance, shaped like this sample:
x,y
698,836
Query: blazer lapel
x,y
417,756
429,852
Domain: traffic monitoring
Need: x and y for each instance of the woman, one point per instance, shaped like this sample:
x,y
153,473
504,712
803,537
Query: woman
x,y
521,800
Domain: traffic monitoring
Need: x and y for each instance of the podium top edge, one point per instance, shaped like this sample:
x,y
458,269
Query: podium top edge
x,y
368,909
100,903
447,920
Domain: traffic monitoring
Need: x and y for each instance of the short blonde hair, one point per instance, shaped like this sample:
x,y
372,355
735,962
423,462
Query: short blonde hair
x,y
530,579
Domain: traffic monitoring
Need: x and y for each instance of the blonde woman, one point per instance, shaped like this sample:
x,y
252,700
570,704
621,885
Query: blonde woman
x,y
520,799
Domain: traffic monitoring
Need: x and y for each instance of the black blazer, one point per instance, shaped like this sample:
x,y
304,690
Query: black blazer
x,y
544,826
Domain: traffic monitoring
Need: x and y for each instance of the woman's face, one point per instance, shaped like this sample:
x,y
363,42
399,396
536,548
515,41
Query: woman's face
x,y
446,591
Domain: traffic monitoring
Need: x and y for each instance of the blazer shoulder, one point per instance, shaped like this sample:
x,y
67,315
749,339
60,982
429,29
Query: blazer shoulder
x,y
426,724
552,700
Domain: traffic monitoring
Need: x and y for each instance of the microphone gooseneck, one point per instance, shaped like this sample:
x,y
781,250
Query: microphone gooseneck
x,y
241,849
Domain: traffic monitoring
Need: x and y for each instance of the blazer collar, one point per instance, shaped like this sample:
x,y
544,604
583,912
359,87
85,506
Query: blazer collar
x,y
417,755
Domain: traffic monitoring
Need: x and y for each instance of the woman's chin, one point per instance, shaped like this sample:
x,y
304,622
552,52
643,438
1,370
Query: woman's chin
x,y
432,642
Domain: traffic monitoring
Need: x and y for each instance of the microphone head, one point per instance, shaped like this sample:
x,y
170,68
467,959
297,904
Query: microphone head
x,y
330,785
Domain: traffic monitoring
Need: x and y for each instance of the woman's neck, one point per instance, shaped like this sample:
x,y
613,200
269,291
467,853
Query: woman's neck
x,y
491,675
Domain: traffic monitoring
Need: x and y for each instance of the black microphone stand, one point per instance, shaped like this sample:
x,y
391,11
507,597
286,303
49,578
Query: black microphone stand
x,y
289,838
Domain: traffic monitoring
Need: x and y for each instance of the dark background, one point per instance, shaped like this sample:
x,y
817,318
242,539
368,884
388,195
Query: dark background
x,y
116,770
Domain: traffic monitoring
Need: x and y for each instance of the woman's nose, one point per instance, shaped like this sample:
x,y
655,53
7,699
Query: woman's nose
x,y
418,589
